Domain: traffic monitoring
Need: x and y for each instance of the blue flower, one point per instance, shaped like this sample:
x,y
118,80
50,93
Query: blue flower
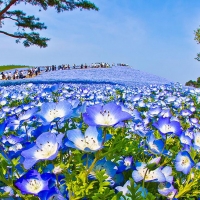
x,y
55,111
45,148
167,171
185,113
106,115
185,140
33,182
124,189
165,113
109,166
165,126
125,164
142,172
103,164
53,193
28,114
11,139
2,128
91,141
153,111
165,188
184,162
196,143
155,145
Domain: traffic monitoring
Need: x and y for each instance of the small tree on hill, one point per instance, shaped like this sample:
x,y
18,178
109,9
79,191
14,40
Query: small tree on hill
x,y
23,21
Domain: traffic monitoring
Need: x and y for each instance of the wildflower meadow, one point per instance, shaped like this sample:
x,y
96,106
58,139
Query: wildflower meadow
x,y
99,141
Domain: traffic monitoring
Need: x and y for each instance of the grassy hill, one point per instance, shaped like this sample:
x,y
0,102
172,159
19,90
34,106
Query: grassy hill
x,y
8,67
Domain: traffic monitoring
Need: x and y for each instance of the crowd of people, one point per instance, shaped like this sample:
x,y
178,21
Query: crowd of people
x,y
74,66
34,71
20,74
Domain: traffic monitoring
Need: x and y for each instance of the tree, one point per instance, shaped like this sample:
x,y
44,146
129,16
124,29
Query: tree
x,y
23,21
197,38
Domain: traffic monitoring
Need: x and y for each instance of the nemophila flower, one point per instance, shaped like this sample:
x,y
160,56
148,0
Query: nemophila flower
x,y
185,140
155,145
103,164
2,127
153,111
192,108
167,171
3,102
15,150
107,165
197,166
28,114
165,113
136,115
165,188
185,112
196,143
118,179
53,88
11,139
194,120
142,172
78,110
165,126
171,99
51,194
136,97
107,115
172,194
9,190
124,189
139,128
45,148
125,164
33,182
41,129
184,162
92,140
55,111
190,132
13,123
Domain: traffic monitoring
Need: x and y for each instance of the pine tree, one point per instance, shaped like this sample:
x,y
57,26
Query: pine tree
x,y
23,21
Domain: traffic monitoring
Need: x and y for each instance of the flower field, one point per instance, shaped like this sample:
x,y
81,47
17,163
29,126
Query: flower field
x,y
99,141
116,75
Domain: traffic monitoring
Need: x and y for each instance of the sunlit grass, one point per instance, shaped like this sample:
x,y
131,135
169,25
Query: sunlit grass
x,y
8,67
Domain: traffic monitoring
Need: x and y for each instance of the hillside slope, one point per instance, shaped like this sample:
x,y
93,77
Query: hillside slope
x,y
115,75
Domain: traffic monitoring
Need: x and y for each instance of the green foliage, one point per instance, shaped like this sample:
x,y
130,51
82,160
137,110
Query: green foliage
x,y
136,194
8,67
104,192
197,38
32,38
195,84
4,195
189,187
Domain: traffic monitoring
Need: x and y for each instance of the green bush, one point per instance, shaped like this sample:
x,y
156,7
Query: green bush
x,y
195,84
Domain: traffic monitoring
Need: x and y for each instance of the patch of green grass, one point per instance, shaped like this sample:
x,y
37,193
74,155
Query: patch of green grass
x,y
8,67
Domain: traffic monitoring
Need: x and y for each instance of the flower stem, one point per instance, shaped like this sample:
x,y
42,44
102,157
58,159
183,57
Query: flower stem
x,y
93,163
104,135
57,127
143,182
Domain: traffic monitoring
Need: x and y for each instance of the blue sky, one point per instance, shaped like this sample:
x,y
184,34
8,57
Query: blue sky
x,y
152,36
